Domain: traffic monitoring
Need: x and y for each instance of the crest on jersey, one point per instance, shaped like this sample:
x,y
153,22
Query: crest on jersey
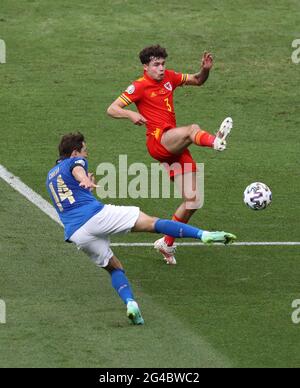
x,y
130,89
168,86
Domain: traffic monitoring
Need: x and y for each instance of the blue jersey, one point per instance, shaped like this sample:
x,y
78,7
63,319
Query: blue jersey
x,y
74,204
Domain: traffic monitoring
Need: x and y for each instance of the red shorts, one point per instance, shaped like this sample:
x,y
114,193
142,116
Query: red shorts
x,y
175,164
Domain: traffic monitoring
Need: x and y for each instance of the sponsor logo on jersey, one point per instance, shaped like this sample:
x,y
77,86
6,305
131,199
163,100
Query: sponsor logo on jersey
x,y
168,86
130,89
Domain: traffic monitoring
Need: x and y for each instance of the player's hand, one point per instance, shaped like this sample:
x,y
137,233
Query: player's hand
x,y
137,118
88,182
207,61
93,179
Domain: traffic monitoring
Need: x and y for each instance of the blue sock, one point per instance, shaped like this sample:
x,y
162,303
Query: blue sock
x,y
177,229
121,284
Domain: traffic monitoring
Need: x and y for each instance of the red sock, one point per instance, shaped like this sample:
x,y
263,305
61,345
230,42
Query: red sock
x,y
204,139
170,240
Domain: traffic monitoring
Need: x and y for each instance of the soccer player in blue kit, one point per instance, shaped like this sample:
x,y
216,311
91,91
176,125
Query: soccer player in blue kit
x,y
88,223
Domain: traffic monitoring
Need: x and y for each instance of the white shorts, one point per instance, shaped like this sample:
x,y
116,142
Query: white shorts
x,y
93,237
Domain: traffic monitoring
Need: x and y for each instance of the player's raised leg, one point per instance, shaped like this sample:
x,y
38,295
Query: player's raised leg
x,y
178,139
150,224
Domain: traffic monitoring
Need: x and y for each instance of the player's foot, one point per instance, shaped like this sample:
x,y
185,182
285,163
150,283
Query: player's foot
x,y
218,237
167,252
220,142
134,313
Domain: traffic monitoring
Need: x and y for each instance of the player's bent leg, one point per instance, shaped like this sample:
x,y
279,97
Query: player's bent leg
x,y
121,284
99,251
178,139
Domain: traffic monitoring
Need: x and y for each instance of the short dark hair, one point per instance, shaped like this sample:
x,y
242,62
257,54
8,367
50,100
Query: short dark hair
x,y
150,52
69,143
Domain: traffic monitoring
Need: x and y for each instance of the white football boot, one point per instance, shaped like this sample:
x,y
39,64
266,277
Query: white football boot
x,y
167,252
222,134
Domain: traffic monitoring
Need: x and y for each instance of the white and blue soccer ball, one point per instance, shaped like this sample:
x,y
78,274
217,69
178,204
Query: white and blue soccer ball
x,y
258,196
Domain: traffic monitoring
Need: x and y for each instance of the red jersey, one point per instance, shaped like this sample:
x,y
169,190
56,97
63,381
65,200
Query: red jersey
x,y
154,100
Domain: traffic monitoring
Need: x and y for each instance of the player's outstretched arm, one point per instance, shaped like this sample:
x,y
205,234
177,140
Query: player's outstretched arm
x,y
200,78
117,111
87,182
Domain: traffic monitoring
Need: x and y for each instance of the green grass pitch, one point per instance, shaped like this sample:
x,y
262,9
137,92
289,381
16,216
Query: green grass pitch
x,y
66,62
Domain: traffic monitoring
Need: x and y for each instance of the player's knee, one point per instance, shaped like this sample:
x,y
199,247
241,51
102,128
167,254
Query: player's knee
x,y
109,111
113,264
190,132
145,223
193,129
151,224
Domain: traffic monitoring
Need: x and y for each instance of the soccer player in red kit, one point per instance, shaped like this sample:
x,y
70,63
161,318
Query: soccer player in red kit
x,y
167,143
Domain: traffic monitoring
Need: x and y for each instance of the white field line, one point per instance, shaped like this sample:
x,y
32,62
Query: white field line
x,y
49,210
28,193
191,244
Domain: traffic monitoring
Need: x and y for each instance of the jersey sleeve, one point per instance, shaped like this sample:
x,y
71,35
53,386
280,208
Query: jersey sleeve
x,y
178,79
133,93
75,162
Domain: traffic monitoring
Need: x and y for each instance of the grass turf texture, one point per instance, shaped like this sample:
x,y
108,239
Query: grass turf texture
x,y
66,61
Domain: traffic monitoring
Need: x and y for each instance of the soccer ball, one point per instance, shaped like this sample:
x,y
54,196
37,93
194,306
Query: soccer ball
x,y
257,196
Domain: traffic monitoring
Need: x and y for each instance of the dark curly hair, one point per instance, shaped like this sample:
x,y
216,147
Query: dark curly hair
x,y
150,52
69,143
